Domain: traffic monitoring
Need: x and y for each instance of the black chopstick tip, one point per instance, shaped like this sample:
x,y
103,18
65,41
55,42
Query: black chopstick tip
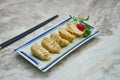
x,y
57,15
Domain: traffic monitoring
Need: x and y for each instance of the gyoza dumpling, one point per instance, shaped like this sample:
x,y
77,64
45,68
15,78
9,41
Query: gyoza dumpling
x,y
65,34
62,42
71,27
39,52
51,45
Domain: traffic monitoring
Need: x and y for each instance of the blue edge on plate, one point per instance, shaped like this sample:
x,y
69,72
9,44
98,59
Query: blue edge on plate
x,y
37,63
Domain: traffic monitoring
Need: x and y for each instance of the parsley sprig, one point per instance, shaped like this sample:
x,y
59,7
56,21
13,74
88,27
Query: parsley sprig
x,y
78,20
87,30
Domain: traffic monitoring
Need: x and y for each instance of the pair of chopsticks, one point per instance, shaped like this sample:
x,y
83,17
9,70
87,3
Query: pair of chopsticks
x,y
12,40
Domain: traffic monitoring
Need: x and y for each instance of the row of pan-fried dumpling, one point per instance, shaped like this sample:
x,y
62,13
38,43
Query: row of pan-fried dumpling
x,y
55,42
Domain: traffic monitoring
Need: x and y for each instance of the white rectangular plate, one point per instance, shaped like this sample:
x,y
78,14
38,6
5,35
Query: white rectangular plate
x,y
25,51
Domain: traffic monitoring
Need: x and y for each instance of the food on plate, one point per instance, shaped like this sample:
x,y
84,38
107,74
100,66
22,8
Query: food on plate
x,y
71,27
62,42
61,39
80,27
78,20
51,45
39,52
86,28
65,34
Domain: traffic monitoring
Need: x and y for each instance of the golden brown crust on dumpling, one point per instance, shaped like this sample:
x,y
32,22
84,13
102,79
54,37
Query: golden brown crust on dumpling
x,y
62,42
51,45
39,52
65,34
71,27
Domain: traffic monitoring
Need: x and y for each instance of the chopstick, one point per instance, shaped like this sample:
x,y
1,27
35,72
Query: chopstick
x,y
12,40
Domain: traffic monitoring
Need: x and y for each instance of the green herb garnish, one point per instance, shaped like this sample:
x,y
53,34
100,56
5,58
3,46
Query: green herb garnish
x,y
78,20
87,31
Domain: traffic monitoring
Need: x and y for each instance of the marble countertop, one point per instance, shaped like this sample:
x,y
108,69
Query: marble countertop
x,y
98,59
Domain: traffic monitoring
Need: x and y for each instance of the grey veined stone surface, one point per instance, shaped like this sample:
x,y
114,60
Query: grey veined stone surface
x,y
98,59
